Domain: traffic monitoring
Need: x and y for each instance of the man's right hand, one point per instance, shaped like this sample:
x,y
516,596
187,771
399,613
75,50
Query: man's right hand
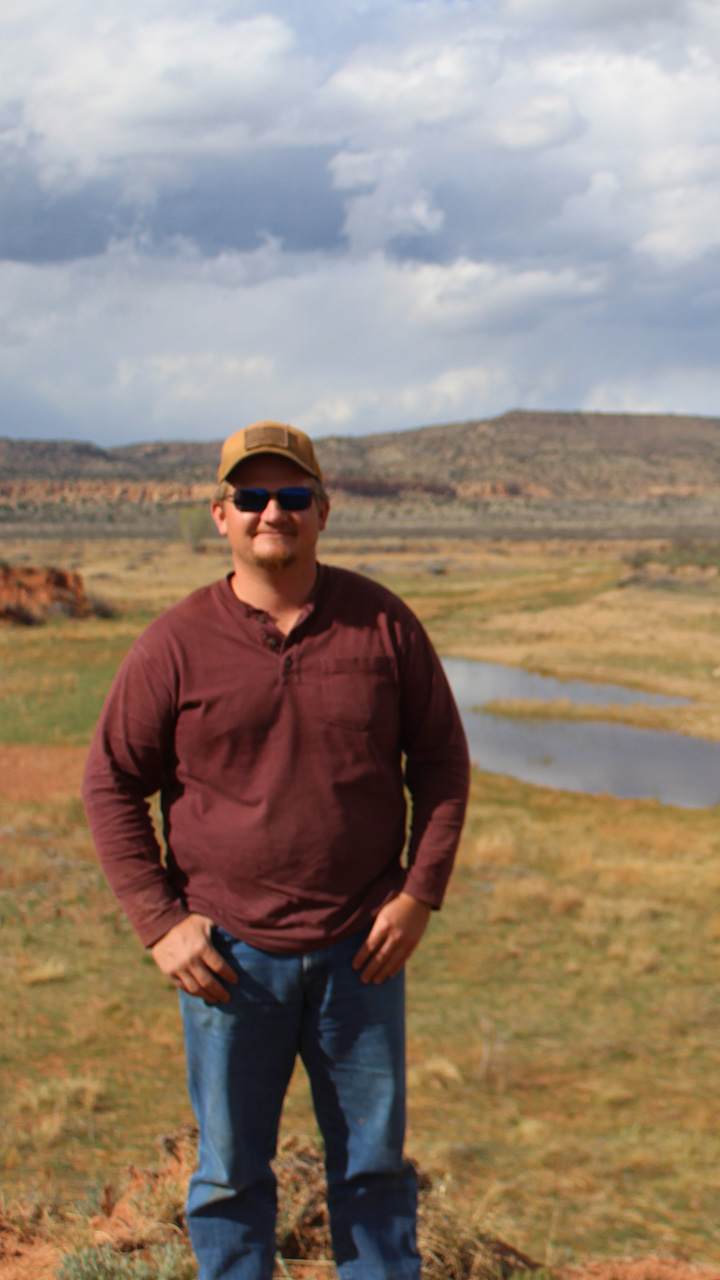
x,y
187,957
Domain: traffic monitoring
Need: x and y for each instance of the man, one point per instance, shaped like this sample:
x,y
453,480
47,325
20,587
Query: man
x,y
280,712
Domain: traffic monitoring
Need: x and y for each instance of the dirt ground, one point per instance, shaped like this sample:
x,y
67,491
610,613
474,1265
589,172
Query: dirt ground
x,y
37,1260
28,773
26,1260
149,1212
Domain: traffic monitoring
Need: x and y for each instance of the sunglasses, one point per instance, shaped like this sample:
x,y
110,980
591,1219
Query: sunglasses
x,y
292,498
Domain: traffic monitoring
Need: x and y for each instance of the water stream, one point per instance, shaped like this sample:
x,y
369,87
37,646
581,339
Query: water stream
x,y
594,757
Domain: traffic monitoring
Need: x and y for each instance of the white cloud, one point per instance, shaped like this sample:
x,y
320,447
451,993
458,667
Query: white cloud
x,y
177,383
424,85
543,120
352,169
447,395
159,92
182,347
466,295
684,224
684,389
391,211
358,215
595,12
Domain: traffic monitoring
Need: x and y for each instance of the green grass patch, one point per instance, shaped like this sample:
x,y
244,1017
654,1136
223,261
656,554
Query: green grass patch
x,y
54,678
166,1262
678,554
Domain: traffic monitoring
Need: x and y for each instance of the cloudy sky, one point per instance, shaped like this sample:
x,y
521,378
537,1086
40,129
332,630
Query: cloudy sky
x,y
354,215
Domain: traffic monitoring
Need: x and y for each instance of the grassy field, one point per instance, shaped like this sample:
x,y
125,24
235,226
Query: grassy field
x,y
564,1011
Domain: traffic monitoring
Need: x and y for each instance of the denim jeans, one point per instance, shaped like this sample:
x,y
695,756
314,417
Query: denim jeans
x,y
240,1056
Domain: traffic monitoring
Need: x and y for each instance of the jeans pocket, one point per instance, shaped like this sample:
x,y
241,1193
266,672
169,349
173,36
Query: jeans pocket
x,y
222,934
225,944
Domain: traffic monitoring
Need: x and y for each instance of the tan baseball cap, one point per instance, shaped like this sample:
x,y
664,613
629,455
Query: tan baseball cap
x,y
269,437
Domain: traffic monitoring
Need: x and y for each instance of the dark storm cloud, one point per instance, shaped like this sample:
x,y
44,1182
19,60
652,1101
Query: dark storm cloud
x,y
40,225
217,205
231,204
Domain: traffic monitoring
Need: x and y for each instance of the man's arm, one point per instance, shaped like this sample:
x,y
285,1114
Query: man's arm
x,y
125,765
437,769
437,775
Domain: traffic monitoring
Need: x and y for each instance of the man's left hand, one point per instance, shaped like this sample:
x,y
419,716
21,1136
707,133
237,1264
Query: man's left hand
x,y
396,931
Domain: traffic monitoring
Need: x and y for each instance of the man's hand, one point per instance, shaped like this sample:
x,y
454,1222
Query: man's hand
x,y
187,957
396,931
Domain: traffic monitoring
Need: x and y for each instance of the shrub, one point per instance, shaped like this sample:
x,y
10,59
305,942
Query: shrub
x,y
194,525
169,1262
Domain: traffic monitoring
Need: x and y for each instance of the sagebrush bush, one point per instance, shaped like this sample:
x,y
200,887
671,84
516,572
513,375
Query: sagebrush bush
x,y
169,1262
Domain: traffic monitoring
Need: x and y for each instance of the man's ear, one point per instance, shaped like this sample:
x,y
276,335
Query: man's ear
x,y
323,512
217,511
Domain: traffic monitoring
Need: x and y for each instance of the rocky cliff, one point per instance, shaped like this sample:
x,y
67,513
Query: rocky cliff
x,y
534,473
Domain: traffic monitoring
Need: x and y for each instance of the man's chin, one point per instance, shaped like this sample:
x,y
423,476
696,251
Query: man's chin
x,y
280,558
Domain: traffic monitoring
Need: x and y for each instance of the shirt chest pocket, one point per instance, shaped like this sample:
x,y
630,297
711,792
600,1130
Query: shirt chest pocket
x,y
360,693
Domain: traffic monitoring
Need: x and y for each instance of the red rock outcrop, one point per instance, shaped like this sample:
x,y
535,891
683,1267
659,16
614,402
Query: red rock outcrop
x,y
41,493
28,595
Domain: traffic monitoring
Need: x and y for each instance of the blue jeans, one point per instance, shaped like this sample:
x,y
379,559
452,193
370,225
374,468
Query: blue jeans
x,y
240,1056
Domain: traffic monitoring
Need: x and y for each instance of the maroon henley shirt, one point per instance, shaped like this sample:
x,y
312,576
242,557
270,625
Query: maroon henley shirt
x,y
279,760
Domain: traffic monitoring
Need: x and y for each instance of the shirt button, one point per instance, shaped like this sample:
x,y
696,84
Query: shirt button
x,y
287,663
273,642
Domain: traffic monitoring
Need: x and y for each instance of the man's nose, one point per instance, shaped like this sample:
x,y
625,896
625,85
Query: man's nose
x,y
272,509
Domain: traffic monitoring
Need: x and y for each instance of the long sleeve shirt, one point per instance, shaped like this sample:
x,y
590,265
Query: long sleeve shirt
x,y
282,763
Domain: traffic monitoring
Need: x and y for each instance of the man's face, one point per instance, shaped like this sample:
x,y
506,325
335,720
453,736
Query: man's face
x,y
273,538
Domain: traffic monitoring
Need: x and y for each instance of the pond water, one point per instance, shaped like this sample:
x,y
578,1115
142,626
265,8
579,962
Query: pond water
x,y
595,757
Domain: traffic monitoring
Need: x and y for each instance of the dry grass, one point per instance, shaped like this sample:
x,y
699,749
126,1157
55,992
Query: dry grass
x,y
555,607
576,973
48,1113
676,719
138,1232
140,1228
564,1020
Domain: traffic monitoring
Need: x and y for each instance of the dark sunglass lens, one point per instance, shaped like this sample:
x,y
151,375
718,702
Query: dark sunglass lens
x,y
294,499
251,499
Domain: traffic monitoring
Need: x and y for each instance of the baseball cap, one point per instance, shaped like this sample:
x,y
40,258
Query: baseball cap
x,y
269,437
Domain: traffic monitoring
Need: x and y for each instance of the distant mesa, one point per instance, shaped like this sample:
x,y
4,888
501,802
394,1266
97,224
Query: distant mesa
x,y
526,473
521,454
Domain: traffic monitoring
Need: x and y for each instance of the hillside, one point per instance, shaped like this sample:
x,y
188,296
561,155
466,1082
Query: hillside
x,y
524,473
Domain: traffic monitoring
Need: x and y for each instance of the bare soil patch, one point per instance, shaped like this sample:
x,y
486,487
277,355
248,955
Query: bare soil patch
x,y
26,1260
29,773
650,1268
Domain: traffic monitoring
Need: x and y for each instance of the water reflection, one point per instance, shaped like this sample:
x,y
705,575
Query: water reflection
x,y
475,683
593,757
